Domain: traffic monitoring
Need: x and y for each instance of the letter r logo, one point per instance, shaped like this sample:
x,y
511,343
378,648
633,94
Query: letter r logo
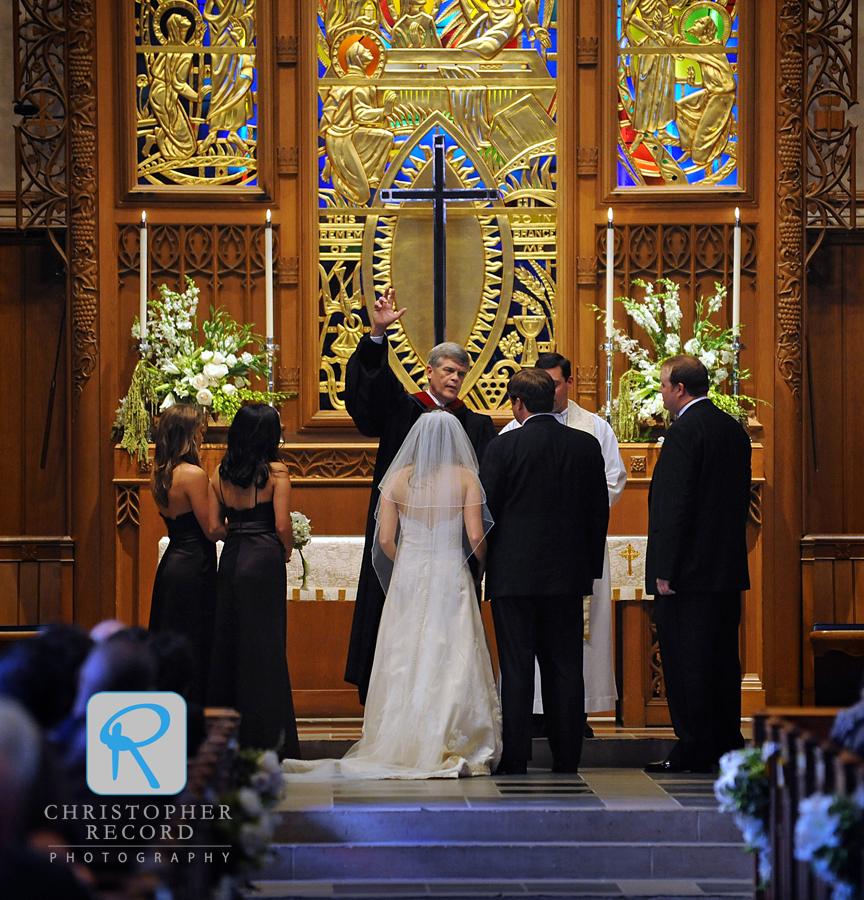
x,y
136,742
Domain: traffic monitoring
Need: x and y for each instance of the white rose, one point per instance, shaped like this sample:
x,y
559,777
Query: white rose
x,y
250,801
247,359
231,360
229,389
215,371
218,358
204,397
206,355
199,381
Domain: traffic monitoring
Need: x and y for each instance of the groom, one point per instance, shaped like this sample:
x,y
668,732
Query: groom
x,y
546,490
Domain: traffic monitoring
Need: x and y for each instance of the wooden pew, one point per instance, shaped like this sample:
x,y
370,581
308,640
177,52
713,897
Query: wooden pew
x,y
807,762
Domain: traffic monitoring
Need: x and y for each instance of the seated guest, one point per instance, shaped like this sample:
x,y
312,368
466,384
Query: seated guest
x,y
104,629
25,872
848,728
175,665
41,672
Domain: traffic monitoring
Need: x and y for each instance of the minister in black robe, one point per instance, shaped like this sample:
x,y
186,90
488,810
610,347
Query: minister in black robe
x,y
382,408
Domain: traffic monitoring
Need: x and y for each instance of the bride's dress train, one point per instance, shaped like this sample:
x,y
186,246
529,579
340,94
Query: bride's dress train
x,y
432,709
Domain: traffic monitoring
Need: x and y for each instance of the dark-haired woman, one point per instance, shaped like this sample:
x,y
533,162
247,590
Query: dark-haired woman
x,y
184,592
249,671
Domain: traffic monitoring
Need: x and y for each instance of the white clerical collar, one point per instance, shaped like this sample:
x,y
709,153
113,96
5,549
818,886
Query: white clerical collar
x,y
562,416
435,400
685,408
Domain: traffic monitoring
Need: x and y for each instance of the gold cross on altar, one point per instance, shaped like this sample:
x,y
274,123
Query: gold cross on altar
x,y
629,553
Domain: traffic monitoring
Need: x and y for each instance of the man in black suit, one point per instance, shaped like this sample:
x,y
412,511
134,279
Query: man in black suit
x,y
696,566
546,491
382,408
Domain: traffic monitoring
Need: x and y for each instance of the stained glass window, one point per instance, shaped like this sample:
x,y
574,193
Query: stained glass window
x,y
196,92
393,75
677,94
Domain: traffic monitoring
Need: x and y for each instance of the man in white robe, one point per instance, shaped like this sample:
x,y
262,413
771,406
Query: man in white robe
x,y
598,665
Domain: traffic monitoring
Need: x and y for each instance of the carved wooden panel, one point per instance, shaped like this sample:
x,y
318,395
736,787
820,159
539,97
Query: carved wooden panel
x,y
225,261
790,191
693,256
36,580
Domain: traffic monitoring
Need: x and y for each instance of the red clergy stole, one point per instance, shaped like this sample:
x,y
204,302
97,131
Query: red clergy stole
x,y
425,399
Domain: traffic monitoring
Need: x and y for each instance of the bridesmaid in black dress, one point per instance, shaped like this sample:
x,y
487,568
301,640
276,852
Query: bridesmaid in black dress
x,y
184,592
249,670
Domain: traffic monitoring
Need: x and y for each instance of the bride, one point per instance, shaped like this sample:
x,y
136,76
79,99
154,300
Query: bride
x,y
432,710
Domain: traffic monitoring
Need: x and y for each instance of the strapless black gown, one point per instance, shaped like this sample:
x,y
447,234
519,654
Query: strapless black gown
x,y
184,593
249,670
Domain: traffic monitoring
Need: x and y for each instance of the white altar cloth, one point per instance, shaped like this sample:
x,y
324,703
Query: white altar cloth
x,y
334,567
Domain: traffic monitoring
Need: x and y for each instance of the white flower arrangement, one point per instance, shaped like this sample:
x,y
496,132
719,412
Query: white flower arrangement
x,y
742,789
250,824
176,368
302,532
829,834
659,315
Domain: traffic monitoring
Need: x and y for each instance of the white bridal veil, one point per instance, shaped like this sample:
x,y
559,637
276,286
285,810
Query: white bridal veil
x,y
434,485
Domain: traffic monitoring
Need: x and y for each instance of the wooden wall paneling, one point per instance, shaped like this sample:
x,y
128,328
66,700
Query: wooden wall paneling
x,y
12,295
8,592
28,592
332,509
45,491
51,592
844,606
823,591
826,390
858,590
847,390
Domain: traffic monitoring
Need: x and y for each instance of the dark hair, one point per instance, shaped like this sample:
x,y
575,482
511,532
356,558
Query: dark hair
x,y
41,672
253,444
553,361
175,443
689,371
175,660
535,388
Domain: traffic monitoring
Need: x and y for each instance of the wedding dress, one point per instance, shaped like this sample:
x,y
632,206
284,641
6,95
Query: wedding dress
x,y
432,710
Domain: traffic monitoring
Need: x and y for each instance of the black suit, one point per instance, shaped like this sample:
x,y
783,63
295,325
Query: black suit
x,y
546,490
698,506
382,408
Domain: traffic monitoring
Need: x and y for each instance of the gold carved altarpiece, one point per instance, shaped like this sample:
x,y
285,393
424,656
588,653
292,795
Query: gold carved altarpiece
x,y
391,76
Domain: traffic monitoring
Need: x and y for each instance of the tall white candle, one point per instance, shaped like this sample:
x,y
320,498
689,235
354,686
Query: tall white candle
x,y
142,313
268,277
610,272
736,275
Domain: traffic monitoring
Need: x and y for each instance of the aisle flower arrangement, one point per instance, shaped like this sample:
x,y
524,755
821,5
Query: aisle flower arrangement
x,y
249,827
210,368
658,314
829,834
742,789
302,530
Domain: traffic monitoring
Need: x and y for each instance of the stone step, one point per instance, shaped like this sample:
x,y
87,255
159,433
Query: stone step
x,y
583,889
614,752
602,834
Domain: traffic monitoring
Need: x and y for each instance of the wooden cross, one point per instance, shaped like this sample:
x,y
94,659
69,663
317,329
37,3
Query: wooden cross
x,y
630,553
440,196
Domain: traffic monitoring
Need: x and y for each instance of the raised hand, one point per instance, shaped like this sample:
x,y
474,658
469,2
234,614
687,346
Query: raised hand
x,y
384,312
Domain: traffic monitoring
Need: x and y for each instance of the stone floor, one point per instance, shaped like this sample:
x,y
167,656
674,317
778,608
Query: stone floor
x,y
607,832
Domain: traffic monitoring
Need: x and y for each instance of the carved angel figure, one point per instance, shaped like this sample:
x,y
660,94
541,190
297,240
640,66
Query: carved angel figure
x,y
357,140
